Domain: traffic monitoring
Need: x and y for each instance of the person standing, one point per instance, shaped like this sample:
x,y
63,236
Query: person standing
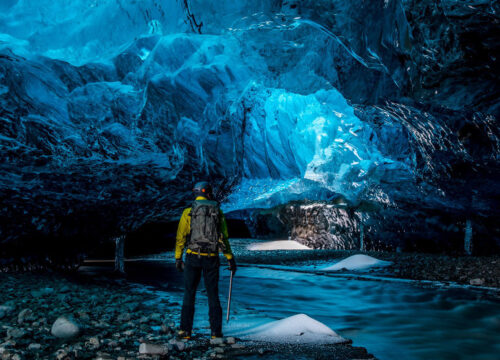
x,y
203,231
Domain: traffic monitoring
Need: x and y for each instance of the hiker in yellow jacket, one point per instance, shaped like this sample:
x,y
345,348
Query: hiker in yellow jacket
x,y
203,231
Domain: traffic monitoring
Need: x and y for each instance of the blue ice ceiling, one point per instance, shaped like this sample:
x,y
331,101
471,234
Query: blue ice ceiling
x,y
113,108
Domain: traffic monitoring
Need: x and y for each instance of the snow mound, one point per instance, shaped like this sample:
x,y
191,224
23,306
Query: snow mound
x,y
278,245
295,329
358,262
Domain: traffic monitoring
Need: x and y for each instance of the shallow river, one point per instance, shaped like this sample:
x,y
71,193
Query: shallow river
x,y
394,320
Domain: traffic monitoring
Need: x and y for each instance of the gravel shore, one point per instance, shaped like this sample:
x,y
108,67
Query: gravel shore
x,y
54,316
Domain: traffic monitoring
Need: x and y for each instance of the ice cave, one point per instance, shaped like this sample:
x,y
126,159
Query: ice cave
x,y
350,151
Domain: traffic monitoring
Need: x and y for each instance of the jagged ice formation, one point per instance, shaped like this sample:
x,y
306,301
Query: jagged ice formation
x,y
379,114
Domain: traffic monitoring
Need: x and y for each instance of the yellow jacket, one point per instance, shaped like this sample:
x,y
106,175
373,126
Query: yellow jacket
x,y
185,228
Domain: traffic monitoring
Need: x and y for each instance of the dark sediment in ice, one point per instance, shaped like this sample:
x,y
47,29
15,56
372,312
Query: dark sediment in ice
x,y
101,145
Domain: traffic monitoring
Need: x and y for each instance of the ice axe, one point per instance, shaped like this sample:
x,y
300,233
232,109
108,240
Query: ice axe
x,y
229,296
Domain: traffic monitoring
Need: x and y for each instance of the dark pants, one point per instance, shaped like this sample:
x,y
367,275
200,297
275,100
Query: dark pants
x,y
194,266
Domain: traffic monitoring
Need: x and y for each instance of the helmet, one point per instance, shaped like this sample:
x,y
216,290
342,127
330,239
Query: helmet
x,y
202,188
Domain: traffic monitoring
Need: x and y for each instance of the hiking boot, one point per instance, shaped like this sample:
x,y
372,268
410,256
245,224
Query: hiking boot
x,y
216,335
184,334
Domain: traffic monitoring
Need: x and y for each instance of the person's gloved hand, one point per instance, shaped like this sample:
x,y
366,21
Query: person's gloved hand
x,y
232,265
179,265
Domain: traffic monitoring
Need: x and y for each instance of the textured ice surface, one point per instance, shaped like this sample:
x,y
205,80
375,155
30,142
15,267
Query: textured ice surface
x,y
357,262
278,245
294,329
85,31
110,110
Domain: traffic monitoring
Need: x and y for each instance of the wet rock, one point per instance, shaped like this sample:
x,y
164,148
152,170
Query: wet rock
x,y
129,332
179,345
34,347
155,317
42,292
61,354
25,316
152,349
124,317
132,306
217,341
84,316
477,282
165,329
5,310
64,328
64,289
94,343
230,340
15,333
113,344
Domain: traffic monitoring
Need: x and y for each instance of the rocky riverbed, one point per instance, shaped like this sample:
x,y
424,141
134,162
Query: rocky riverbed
x,y
483,271
465,270
54,316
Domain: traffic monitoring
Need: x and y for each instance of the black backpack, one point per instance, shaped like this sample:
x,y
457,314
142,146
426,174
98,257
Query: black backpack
x,y
205,226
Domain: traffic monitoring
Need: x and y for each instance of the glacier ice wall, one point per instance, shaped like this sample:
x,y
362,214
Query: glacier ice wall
x,y
110,110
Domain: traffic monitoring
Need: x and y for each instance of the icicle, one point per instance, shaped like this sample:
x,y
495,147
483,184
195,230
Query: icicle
x,y
119,254
468,237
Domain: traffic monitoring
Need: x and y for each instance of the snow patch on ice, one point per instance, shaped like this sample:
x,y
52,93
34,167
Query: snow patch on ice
x,y
358,262
298,328
278,245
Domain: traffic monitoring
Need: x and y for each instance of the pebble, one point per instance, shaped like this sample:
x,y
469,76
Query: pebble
x,y
34,346
25,315
179,345
231,340
83,316
64,289
124,317
155,317
477,282
5,310
42,292
61,354
15,333
217,341
153,349
64,328
94,342
165,329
